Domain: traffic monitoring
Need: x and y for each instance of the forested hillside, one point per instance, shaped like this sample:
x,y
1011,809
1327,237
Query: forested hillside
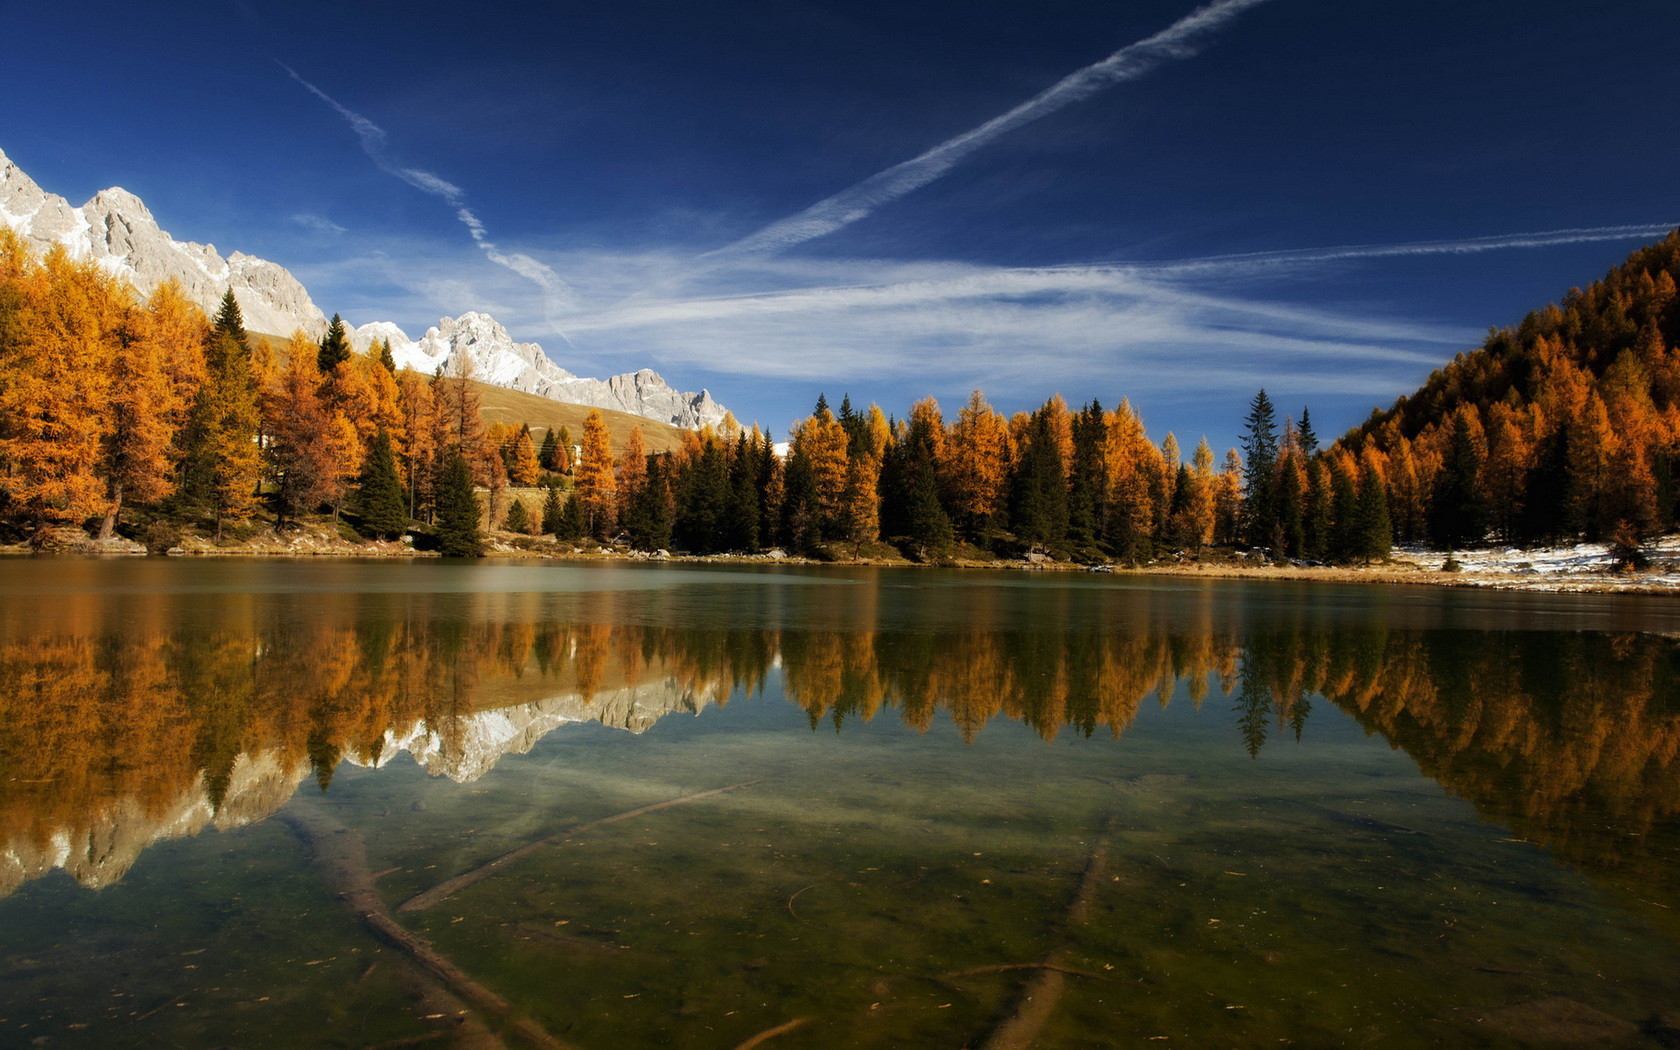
x,y
1564,426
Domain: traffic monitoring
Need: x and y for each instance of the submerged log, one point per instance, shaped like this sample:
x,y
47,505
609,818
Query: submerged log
x,y
341,853
1020,1028
449,887
771,1033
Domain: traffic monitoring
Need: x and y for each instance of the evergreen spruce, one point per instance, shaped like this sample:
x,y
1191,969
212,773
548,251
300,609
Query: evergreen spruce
x,y
1086,483
1375,531
335,347
1345,541
386,358
700,523
1040,510
1305,436
649,524
457,511
1260,518
379,493
230,322
553,514
518,518
741,515
1316,524
545,456
572,523
1455,506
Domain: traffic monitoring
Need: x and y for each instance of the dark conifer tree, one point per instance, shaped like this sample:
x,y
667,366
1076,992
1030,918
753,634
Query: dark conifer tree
x,y
1291,495
1344,545
572,521
379,492
1305,436
649,514
1087,481
1547,490
1455,505
766,479
553,510
1039,509
700,524
335,346
518,518
799,502
741,516
1316,524
229,321
1375,531
386,358
855,424
545,456
457,511
1259,443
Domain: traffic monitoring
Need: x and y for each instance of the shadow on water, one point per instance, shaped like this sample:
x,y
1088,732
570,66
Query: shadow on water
x,y
983,810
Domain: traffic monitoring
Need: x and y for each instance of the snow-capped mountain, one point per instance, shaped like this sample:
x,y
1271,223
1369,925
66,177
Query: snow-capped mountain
x,y
99,850
116,231
498,360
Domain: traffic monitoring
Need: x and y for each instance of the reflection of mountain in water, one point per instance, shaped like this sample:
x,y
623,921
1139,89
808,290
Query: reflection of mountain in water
x,y
116,741
112,745
99,850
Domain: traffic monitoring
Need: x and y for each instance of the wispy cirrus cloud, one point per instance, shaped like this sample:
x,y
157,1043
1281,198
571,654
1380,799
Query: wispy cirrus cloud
x,y
318,223
557,293
1183,39
878,327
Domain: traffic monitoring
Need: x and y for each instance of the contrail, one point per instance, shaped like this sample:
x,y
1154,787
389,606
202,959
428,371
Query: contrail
x,y
1180,40
1465,246
373,138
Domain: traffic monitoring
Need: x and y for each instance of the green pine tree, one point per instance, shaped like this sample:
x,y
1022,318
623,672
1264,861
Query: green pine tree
x,y
1375,530
386,358
1455,505
457,511
518,518
1260,517
379,493
545,456
335,346
572,522
554,511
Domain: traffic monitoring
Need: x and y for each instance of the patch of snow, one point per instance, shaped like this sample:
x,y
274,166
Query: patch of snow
x,y
1560,567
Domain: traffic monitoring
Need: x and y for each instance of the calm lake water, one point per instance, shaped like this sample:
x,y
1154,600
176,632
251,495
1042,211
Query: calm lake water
x,y
289,804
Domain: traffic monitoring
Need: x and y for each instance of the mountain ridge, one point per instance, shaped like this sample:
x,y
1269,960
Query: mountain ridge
x,y
116,231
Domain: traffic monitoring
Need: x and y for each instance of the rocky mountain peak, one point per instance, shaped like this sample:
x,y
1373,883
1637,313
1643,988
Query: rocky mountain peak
x,y
116,230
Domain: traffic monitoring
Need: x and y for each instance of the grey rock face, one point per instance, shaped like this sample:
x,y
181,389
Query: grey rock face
x,y
498,360
116,230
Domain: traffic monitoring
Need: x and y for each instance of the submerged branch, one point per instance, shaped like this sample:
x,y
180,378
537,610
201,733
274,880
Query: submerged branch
x,y
449,887
1041,995
771,1033
340,851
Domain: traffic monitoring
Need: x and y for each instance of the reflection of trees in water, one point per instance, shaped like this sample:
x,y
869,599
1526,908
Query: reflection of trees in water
x,y
1571,739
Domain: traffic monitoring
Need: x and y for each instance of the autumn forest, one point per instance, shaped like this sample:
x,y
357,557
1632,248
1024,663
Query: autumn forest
x,y
146,418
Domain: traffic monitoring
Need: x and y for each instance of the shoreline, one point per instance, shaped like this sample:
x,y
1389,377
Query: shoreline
x,y
1580,569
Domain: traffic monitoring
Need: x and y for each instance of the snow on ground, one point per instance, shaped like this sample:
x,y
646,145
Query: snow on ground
x,y
1588,565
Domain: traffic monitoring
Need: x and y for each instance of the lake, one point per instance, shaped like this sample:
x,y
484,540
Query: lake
x,y
254,803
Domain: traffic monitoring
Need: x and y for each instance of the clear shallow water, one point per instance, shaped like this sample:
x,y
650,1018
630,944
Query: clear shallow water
x,y
1190,813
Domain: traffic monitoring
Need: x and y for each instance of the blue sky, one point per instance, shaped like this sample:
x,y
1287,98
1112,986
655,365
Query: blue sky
x,y
1327,198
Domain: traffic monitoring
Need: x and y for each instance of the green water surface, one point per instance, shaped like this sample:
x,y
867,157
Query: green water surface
x,y
1221,814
